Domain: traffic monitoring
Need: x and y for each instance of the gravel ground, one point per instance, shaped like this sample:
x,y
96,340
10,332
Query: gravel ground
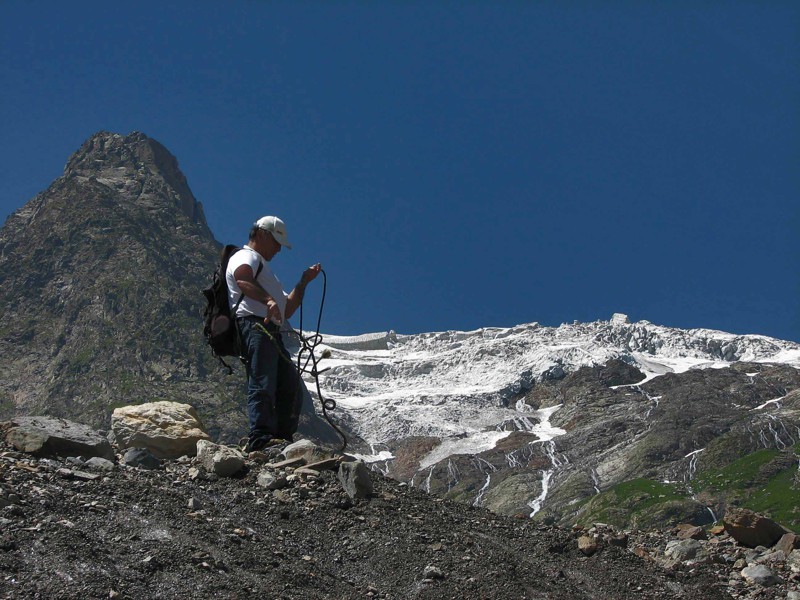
x,y
177,532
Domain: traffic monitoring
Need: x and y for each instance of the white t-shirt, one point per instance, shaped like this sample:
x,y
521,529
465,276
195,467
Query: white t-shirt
x,y
266,279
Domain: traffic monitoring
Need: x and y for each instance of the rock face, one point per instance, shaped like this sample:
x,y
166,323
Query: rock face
x,y
167,429
701,431
45,436
100,279
627,423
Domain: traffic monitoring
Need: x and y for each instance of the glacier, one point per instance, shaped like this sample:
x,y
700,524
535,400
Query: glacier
x,y
460,386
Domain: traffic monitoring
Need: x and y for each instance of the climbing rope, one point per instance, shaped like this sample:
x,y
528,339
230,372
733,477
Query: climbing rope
x,y
308,344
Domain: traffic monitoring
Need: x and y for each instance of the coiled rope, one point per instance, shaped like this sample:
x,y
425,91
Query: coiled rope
x,y
308,344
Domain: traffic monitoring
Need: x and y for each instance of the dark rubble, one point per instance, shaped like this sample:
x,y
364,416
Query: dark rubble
x,y
177,532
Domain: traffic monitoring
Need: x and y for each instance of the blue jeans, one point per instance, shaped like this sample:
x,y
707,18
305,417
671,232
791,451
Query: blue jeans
x,y
273,387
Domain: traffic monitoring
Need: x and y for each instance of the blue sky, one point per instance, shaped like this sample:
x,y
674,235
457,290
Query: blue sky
x,y
452,165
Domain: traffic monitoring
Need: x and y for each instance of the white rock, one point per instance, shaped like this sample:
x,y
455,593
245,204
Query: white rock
x,y
167,429
301,448
269,481
432,572
793,561
683,549
760,575
218,459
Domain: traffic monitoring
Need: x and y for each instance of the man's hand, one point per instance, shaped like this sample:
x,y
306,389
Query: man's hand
x,y
273,312
310,274
295,297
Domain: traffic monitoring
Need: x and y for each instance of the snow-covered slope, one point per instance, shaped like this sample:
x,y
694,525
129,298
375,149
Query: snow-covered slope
x,y
460,386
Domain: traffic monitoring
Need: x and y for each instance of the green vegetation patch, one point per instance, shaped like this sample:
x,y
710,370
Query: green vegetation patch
x,y
636,501
741,474
766,481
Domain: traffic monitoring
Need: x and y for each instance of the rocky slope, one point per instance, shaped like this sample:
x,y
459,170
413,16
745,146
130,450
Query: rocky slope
x,y
100,279
71,529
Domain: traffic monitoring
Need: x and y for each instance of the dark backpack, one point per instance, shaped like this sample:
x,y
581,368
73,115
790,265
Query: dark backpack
x,y
219,326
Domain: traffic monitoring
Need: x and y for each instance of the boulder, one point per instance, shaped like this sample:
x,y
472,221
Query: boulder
x,y
307,450
48,436
300,449
752,529
355,479
218,459
167,429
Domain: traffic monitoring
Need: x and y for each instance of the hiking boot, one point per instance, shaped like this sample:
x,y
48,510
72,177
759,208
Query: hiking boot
x,y
258,443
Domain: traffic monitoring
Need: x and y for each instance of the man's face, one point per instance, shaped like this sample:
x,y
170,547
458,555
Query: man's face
x,y
271,245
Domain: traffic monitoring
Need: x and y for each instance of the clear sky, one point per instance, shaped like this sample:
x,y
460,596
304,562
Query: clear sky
x,y
452,165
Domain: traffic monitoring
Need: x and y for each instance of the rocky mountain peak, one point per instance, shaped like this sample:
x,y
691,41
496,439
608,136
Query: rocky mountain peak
x,y
99,282
137,163
100,279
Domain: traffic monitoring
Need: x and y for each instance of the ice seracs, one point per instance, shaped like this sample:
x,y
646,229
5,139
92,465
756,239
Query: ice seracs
x,y
461,385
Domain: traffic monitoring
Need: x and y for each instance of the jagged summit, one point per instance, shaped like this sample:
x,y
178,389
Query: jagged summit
x,y
99,280
134,161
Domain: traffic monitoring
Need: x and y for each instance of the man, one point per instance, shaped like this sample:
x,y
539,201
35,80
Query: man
x,y
273,388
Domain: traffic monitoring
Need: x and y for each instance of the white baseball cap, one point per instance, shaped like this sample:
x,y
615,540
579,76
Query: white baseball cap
x,y
277,228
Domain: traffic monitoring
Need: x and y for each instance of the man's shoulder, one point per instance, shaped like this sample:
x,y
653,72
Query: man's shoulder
x,y
244,256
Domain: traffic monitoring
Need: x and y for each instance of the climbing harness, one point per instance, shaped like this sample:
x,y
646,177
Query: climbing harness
x,y
308,344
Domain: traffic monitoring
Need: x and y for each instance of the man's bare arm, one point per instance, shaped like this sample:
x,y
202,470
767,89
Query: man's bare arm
x,y
253,290
296,295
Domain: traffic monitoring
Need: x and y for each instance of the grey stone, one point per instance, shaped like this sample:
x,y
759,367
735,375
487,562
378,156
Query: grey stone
x,y
432,572
771,557
270,481
760,575
195,503
218,459
683,549
47,436
100,464
355,479
300,449
142,458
